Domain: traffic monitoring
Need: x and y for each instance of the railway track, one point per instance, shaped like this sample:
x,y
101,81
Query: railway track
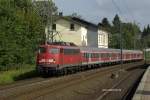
x,y
43,88
21,83
119,88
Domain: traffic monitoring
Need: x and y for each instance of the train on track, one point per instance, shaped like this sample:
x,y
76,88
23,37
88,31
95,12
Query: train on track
x,y
63,57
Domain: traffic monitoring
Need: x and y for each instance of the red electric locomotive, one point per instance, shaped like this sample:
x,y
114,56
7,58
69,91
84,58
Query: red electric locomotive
x,y
58,56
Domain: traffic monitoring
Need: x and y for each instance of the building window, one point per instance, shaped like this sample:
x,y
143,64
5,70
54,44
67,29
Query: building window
x,y
72,27
54,27
103,39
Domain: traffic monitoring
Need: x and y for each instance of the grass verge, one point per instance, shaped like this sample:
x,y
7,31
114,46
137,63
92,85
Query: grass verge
x,y
27,71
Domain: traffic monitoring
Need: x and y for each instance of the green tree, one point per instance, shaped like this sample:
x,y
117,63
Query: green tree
x,y
146,31
116,24
129,31
45,9
146,36
130,35
105,25
115,33
21,32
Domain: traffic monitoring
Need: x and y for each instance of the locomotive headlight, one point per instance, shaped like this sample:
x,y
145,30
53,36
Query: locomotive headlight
x,y
51,61
42,60
47,61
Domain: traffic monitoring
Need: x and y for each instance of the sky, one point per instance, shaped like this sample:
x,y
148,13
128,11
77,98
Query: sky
x,y
137,11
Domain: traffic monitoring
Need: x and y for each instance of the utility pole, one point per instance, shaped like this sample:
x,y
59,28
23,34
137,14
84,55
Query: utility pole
x,y
51,32
121,40
48,12
145,47
134,39
50,21
121,46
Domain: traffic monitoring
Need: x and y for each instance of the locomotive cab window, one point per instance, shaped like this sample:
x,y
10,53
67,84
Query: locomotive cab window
x,y
71,51
54,50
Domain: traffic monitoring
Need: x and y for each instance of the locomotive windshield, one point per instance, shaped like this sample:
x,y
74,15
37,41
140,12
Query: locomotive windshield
x,y
54,50
42,50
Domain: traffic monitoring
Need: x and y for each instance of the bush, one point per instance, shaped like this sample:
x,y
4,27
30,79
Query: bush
x,y
24,72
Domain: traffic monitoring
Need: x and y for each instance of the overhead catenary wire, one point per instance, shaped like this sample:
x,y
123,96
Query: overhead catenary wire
x,y
129,11
118,8
134,20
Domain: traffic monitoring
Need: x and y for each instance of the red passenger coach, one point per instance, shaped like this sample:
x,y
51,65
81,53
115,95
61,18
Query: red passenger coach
x,y
99,55
59,56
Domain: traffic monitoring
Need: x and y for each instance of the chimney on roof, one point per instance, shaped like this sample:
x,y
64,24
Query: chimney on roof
x,y
60,13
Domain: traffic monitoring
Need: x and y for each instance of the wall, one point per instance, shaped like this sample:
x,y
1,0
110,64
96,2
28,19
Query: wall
x,y
66,35
84,36
92,37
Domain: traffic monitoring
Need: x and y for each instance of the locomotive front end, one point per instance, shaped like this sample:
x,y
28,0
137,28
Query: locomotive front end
x,y
47,59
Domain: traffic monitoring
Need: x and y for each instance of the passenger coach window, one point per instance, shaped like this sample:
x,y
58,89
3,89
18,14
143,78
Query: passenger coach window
x,y
94,55
86,55
54,51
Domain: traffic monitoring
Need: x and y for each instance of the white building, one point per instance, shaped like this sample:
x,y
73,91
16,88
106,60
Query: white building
x,y
80,32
